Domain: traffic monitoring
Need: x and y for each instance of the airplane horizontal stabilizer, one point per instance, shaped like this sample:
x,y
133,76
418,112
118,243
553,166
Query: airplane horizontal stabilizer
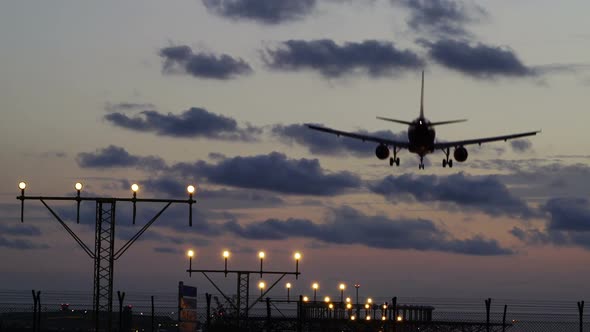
x,y
394,120
446,122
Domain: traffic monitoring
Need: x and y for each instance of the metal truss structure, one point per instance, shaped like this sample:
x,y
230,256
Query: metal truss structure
x,y
104,254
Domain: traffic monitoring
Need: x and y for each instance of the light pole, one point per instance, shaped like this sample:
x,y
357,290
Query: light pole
x,y
78,187
190,255
191,191
357,286
315,287
261,255
288,292
261,285
342,288
225,257
297,256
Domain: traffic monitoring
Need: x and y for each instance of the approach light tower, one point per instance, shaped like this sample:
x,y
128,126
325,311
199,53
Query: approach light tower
x,y
241,305
104,254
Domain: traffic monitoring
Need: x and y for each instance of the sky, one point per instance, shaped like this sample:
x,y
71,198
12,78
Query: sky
x,y
215,93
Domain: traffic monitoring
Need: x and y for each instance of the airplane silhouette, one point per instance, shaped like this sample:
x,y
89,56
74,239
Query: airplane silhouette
x,y
421,139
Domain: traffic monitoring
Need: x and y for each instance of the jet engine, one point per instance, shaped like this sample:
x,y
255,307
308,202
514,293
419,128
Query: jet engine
x,y
382,151
460,154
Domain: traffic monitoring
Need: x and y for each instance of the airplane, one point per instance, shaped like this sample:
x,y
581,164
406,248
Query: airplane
x,y
421,139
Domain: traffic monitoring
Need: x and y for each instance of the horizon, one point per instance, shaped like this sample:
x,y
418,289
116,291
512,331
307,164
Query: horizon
x,y
215,95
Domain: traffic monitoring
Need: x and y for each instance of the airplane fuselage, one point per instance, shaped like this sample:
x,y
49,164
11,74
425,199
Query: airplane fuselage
x,y
421,137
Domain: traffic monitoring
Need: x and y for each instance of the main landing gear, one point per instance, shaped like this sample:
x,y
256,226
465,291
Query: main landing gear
x,y
447,160
421,165
394,159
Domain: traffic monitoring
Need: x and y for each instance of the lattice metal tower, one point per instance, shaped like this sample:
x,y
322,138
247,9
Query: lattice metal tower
x,y
104,254
104,261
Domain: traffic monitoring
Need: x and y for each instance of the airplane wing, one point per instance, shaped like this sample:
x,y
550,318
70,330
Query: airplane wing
x,y
386,141
444,145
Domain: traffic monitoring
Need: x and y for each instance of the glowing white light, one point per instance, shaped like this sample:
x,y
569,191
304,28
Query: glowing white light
x,y
22,185
190,189
78,186
135,187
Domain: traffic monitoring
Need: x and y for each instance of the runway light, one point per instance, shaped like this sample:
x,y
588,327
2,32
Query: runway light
x,y
134,187
22,186
190,189
78,186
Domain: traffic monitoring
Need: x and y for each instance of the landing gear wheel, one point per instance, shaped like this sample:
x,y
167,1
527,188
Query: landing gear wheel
x,y
444,163
397,161
451,163
391,161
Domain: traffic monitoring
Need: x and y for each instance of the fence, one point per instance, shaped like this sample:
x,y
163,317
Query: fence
x,y
72,311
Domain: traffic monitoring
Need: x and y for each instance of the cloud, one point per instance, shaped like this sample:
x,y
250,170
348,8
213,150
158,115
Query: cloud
x,y
167,250
274,172
23,230
535,179
182,60
212,198
20,244
568,214
261,11
192,123
442,17
568,224
521,145
371,57
115,156
348,226
325,144
477,60
458,191
126,106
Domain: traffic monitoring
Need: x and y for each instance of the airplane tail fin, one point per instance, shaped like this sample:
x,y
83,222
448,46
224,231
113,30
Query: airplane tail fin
x,y
422,98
